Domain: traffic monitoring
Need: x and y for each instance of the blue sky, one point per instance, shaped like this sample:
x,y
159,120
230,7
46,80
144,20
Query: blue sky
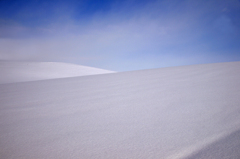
x,y
121,35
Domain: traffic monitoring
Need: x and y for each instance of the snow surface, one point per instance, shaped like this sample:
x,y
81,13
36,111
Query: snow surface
x,y
178,112
30,71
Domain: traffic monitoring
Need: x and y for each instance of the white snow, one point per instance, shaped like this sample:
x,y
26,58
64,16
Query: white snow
x,y
177,112
30,71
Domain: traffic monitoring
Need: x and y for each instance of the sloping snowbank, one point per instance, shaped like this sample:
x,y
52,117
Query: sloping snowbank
x,y
30,71
175,112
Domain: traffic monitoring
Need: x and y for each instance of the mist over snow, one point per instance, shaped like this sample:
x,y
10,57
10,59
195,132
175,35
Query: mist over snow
x,y
12,71
121,35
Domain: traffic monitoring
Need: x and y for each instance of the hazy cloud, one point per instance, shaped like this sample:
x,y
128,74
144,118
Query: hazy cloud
x,y
125,36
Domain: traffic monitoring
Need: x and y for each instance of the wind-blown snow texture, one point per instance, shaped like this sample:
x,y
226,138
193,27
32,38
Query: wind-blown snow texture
x,y
12,72
179,112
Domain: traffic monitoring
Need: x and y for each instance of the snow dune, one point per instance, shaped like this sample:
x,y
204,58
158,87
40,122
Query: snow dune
x,y
30,71
178,112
